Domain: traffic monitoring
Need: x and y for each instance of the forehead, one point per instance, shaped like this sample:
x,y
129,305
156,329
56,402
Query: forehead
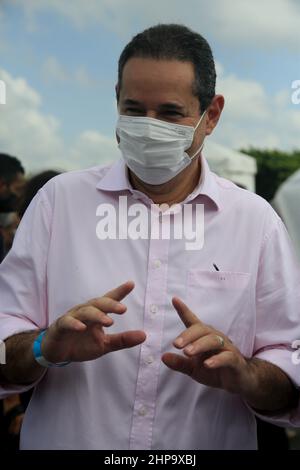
x,y
151,78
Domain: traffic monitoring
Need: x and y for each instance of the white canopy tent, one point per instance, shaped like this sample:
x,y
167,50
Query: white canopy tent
x,y
287,203
230,164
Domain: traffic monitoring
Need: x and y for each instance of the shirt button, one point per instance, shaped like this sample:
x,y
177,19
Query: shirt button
x,y
157,263
149,359
142,411
153,308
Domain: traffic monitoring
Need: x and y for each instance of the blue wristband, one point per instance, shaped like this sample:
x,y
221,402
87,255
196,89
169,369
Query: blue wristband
x,y
37,352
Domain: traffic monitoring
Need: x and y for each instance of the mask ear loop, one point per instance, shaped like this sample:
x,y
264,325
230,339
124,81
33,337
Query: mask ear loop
x,y
200,120
202,145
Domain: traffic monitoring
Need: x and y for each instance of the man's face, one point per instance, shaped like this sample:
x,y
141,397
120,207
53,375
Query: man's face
x,y
162,89
17,186
10,193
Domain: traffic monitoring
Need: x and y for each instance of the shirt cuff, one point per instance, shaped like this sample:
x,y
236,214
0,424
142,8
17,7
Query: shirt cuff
x,y
10,326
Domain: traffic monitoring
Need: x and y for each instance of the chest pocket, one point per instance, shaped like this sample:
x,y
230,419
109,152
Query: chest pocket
x,y
223,301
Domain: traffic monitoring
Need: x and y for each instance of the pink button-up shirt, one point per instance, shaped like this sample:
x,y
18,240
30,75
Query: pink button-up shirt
x,y
129,399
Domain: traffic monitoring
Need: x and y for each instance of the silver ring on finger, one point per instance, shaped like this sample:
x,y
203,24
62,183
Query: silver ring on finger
x,y
221,341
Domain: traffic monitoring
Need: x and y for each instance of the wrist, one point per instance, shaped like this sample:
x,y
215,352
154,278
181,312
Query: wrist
x,y
38,354
248,383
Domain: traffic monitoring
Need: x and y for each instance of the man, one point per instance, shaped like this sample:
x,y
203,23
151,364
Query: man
x,y
9,222
200,339
12,182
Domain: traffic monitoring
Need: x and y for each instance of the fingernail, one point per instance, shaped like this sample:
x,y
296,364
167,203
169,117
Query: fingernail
x,y
209,362
179,342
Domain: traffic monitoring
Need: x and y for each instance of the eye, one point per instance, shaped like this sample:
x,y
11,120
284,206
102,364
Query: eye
x,y
173,114
133,111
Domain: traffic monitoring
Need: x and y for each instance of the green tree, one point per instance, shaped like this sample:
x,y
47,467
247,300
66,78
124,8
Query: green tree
x,y
273,168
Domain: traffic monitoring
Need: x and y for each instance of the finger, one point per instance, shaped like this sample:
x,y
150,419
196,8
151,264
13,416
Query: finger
x,y
92,315
186,315
68,323
127,339
209,342
107,305
178,363
190,335
121,291
223,359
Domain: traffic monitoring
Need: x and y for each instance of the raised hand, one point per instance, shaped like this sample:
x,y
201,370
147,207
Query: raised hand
x,y
79,334
209,356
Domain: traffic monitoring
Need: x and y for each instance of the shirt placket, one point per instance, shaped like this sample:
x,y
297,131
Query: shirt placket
x,y
150,355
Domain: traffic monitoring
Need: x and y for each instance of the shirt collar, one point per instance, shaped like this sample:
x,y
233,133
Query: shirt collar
x,y
116,179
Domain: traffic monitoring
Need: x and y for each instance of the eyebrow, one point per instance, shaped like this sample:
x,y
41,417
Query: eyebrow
x,y
164,106
132,102
173,106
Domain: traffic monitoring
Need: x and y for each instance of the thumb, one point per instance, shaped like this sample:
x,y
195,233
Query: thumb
x,y
127,339
178,363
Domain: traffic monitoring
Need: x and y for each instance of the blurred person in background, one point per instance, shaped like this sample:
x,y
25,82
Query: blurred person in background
x,y
12,181
35,183
9,222
14,406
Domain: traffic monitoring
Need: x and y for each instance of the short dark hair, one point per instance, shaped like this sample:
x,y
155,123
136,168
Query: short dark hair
x,y
35,183
174,41
9,167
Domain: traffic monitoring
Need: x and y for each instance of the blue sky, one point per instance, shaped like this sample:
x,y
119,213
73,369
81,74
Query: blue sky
x,y
58,59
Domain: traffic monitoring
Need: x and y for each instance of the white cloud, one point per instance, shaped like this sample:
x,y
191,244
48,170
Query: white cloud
x,y
53,70
82,77
90,145
263,23
24,129
245,99
282,98
253,117
37,138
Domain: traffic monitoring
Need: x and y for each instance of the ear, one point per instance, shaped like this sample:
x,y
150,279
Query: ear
x,y
214,112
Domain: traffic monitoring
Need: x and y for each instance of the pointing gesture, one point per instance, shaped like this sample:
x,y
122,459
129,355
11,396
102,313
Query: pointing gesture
x,y
209,356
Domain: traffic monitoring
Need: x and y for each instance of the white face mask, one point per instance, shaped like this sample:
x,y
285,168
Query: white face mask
x,y
155,150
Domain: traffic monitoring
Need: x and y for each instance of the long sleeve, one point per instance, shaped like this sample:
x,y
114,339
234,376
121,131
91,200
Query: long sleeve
x,y
278,308
23,290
